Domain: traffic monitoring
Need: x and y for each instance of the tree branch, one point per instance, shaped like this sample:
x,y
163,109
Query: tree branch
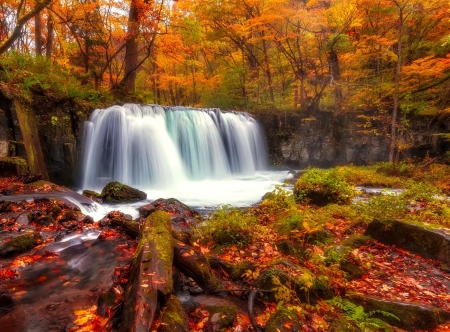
x,y
20,23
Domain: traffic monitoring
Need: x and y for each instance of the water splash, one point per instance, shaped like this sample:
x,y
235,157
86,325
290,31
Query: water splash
x,y
154,147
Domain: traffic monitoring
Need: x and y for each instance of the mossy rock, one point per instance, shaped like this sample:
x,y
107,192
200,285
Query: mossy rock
x,y
95,196
412,316
116,192
319,289
293,248
323,187
283,320
20,244
6,206
222,315
173,317
343,324
13,166
418,238
352,269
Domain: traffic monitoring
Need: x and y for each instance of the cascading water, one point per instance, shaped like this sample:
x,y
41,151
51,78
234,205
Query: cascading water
x,y
154,147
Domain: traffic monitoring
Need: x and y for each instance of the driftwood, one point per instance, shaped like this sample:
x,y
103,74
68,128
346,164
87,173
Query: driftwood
x,y
193,263
150,283
130,227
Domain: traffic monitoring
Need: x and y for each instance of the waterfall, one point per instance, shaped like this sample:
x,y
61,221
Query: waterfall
x,y
150,146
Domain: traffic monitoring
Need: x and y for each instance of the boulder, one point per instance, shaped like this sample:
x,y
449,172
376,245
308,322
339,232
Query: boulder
x,y
116,192
20,244
426,240
412,316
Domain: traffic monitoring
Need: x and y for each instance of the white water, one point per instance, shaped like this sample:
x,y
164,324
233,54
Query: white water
x,y
201,157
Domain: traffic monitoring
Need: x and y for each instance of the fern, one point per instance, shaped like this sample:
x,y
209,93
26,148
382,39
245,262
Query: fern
x,y
362,319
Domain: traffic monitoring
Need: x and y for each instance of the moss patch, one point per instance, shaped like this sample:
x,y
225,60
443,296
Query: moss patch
x,y
173,318
20,244
116,192
222,315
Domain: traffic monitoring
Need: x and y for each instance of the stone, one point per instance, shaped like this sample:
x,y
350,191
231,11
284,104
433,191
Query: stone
x,y
426,240
412,316
116,192
20,244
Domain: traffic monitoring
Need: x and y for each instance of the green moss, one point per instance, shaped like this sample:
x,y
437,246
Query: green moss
x,y
322,187
283,320
157,229
239,269
173,318
20,244
116,192
226,314
20,163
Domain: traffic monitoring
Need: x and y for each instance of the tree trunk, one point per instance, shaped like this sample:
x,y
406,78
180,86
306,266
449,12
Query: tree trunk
x,y
131,49
150,283
396,88
50,36
335,75
28,128
38,33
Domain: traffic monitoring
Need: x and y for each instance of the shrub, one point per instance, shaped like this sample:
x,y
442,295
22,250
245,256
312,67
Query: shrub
x,y
322,187
231,226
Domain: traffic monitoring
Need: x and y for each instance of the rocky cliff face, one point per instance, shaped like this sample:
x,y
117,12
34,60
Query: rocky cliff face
x,y
323,139
59,136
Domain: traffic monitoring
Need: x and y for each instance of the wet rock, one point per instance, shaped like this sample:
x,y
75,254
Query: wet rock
x,y
283,320
103,222
67,216
412,316
6,206
38,200
44,220
88,220
425,240
222,316
95,196
56,210
6,302
116,192
105,302
20,244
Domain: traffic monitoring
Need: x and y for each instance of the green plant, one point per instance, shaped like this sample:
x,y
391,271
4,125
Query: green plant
x,y
364,320
279,198
382,207
421,192
231,226
322,187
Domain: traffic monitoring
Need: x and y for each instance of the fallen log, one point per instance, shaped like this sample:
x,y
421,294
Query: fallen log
x,y
150,283
129,226
194,264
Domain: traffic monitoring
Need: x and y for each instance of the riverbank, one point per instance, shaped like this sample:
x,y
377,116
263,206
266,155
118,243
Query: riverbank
x,y
320,256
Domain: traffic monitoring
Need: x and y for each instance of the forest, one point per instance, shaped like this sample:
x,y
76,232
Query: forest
x,y
360,86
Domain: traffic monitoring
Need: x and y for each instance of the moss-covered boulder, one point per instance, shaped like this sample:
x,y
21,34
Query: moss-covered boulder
x,y
425,240
222,316
283,320
20,244
306,286
116,192
412,316
173,318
